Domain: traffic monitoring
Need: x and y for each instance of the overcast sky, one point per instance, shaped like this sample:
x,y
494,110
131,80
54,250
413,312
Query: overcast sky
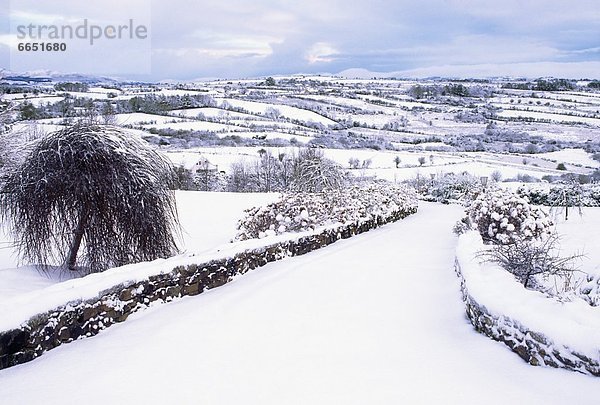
x,y
235,38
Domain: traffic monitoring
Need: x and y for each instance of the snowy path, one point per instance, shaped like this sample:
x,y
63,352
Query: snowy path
x,y
376,319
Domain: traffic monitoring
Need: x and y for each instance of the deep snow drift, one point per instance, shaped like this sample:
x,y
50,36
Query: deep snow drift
x,y
375,319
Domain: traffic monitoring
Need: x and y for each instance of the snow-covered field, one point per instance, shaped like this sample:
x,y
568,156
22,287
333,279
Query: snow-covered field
x,y
549,117
579,235
333,326
575,156
145,119
285,111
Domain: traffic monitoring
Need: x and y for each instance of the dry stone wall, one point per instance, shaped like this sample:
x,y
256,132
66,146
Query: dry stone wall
x,y
531,346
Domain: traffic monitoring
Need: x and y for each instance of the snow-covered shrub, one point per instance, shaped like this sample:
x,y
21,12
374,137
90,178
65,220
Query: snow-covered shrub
x,y
298,212
526,259
453,187
590,290
503,217
462,226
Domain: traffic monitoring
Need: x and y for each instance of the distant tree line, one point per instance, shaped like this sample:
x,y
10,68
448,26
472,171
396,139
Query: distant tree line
x,y
71,107
6,88
542,85
420,91
72,86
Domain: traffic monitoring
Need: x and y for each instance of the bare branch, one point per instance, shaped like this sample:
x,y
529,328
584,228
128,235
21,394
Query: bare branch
x,y
97,181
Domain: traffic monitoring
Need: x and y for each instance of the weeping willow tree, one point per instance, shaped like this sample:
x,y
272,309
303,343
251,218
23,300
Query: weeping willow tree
x,y
90,197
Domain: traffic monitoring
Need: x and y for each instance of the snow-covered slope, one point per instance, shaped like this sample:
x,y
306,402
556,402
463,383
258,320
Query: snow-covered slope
x,y
376,319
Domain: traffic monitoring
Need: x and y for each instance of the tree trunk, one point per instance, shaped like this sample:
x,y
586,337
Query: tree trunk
x,y
77,238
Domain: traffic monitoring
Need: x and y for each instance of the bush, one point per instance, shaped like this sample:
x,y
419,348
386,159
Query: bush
x,y
561,166
298,212
590,290
496,176
503,217
526,259
452,186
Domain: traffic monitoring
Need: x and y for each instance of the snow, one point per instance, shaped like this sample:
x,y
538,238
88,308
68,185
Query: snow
x,y
333,326
286,111
145,119
382,162
221,157
575,156
574,324
34,127
204,226
548,116
204,230
349,102
192,126
579,234
211,112
36,101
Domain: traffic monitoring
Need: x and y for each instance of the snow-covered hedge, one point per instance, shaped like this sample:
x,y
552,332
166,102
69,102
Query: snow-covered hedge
x,y
504,217
541,329
580,195
299,212
453,187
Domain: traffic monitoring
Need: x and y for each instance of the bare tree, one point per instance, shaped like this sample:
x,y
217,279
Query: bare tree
x,y
286,164
313,172
15,144
272,112
6,110
240,178
568,194
108,114
93,189
266,170
5,120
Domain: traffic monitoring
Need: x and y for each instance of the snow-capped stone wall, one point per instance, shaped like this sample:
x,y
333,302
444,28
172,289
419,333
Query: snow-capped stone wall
x,y
541,330
88,317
